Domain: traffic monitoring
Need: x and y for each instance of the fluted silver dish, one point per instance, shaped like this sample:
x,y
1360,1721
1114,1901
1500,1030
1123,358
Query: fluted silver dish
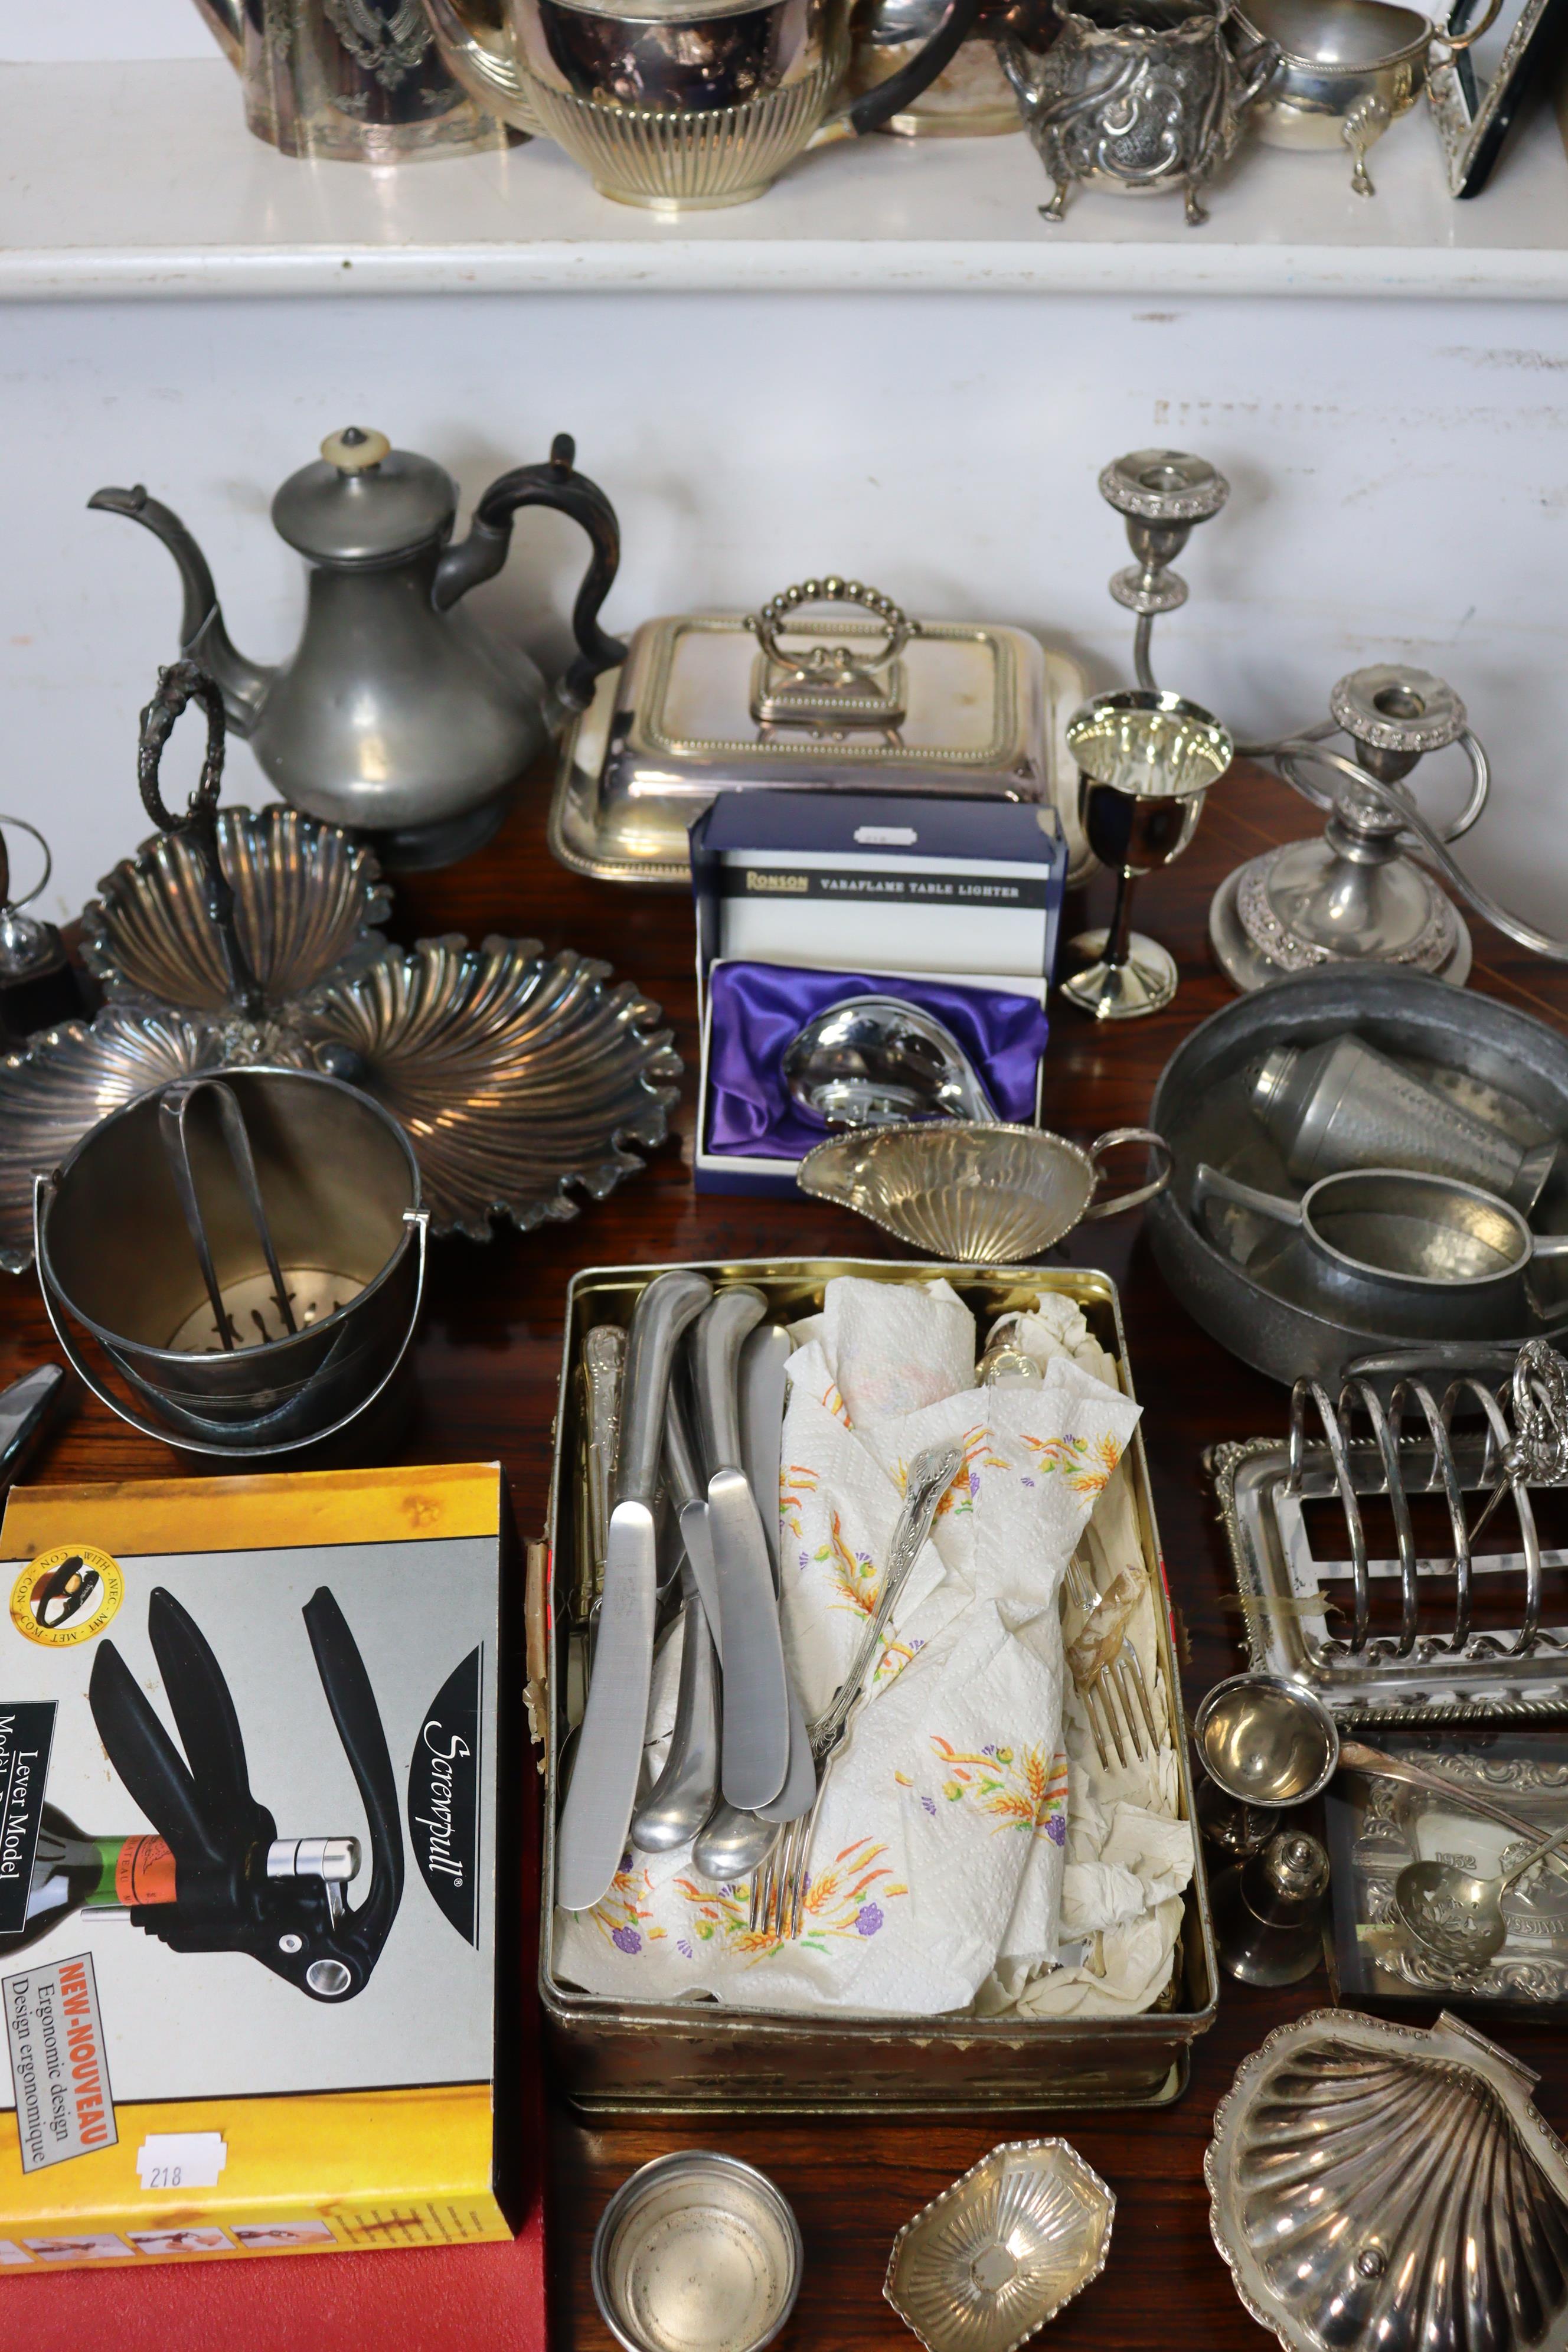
x,y
71,1078
986,1194
984,2266
307,900
521,1078
1382,2187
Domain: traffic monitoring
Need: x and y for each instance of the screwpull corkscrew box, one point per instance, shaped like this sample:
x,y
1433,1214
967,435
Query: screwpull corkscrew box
x,y
251,1867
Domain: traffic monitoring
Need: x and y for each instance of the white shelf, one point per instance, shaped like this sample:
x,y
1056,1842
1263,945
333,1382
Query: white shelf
x,y
141,180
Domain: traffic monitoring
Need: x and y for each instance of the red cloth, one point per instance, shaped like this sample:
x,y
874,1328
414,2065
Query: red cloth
x,y
465,2299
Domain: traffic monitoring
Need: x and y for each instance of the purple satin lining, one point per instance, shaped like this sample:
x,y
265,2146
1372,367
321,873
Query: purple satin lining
x,y
756,1009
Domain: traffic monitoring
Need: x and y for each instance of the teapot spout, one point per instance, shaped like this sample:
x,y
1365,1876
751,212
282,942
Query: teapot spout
x,y
243,684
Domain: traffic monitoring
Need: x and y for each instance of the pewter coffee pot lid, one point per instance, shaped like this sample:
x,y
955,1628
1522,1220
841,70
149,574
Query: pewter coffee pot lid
x,y
363,502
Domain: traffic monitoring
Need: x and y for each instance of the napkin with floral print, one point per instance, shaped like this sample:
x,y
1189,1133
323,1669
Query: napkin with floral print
x,y
940,1840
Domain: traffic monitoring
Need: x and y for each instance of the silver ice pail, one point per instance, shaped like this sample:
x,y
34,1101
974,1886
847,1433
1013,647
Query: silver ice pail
x,y
248,1252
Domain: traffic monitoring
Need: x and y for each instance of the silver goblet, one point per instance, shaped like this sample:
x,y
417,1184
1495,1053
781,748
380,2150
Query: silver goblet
x,y
1145,763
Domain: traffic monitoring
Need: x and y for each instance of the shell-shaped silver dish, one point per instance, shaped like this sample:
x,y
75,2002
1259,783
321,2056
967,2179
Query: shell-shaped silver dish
x,y
1384,2187
70,1079
956,1190
984,2266
307,898
520,1077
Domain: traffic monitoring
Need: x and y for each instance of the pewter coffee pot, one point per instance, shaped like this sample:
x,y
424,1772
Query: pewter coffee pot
x,y
398,714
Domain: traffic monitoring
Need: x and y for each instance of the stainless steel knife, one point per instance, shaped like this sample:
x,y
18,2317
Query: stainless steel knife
x,y
762,1384
731,1844
603,1791
687,1491
755,1739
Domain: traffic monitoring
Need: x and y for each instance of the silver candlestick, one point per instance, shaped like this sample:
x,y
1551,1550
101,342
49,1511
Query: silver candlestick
x,y
1160,495
1354,894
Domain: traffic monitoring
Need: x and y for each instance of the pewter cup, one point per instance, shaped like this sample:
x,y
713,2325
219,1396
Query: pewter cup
x,y
1345,70
679,105
357,81
1342,1104
1136,95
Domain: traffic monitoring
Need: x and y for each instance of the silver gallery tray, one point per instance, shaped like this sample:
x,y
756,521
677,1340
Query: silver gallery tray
x,y
617,2056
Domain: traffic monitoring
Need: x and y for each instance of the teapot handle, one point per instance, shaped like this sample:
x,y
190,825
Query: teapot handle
x,y
875,108
481,555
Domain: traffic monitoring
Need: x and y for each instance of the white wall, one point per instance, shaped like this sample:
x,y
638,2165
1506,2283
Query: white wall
x,y
1400,471
47,30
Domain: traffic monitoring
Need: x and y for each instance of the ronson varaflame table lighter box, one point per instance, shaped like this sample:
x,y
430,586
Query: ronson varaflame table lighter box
x,y
250,1865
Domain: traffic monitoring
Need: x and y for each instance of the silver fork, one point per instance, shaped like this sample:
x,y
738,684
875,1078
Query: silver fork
x,y
779,1884
1121,1679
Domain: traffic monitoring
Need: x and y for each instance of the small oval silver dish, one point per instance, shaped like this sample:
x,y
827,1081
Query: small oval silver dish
x,y
1266,1741
696,2252
984,2266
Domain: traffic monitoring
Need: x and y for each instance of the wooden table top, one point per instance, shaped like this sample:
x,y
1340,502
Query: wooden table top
x,y
487,1364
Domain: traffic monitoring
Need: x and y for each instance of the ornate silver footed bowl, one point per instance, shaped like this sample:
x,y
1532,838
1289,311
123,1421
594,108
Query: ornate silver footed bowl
x,y
1347,69
1135,95
307,898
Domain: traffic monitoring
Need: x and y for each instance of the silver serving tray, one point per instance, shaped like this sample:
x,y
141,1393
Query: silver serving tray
x,y
695,2057
987,713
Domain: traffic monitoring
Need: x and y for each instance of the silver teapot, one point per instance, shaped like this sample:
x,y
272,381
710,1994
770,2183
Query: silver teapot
x,y
398,714
1135,95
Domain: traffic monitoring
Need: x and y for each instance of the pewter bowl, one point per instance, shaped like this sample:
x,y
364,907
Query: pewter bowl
x,y
1261,1298
986,2265
519,1076
979,1195
307,898
1381,2187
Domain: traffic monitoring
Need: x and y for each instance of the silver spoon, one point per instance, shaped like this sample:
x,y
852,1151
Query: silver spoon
x,y
1458,1918
873,1061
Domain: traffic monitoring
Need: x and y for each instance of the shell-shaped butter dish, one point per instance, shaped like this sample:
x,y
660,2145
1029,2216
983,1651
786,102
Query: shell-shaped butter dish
x,y
307,898
984,2266
1390,2187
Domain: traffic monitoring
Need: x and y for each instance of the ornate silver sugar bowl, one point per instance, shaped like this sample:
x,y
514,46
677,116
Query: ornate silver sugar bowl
x,y
1136,95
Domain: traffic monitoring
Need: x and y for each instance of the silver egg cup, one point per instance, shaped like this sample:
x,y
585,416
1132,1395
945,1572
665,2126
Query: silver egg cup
x,y
1146,762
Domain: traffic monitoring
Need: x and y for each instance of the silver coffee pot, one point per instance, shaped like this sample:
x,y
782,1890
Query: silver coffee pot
x,y
398,714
